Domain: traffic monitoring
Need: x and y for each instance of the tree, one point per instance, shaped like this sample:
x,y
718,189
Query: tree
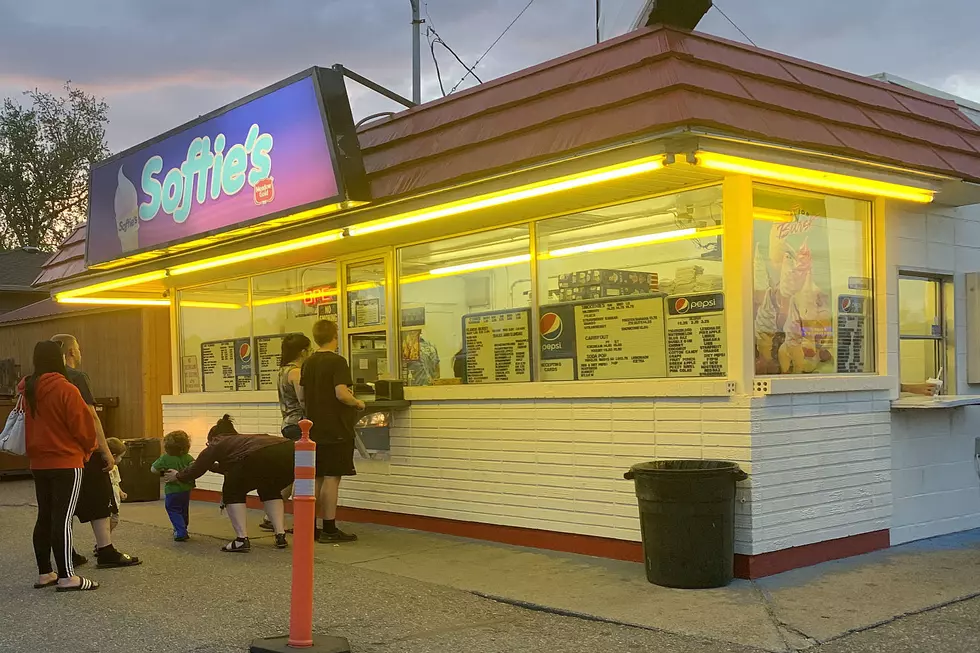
x,y
46,150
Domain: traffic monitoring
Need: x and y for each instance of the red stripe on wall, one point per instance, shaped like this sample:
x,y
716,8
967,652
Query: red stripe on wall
x,y
746,566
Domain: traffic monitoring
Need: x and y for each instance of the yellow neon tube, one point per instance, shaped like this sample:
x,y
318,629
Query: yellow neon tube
x,y
805,177
480,265
114,301
258,252
512,195
773,215
112,285
633,241
226,305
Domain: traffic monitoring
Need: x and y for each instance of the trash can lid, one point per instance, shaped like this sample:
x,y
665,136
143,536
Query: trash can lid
x,y
685,466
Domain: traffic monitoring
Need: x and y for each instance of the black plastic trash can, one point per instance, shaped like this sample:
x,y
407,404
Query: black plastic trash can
x,y
687,521
135,477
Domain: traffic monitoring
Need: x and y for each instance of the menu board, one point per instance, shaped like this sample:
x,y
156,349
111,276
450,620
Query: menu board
x,y
696,342
620,339
498,346
226,365
852,326
269,351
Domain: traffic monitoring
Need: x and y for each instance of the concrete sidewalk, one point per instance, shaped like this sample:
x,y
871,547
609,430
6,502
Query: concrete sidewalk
x,y
792,611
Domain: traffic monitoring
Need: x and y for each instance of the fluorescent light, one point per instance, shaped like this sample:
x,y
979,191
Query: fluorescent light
x,y
112,285
512,195
113,301
481,265
633,241
193,304
816,178
258,252
773,215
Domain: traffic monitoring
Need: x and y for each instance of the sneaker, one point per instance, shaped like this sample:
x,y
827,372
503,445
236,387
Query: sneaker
x,y
266,525
77,559
336,537
281,542
181,538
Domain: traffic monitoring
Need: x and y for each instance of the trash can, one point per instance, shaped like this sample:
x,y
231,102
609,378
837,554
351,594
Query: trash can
x,y
135,477
687,521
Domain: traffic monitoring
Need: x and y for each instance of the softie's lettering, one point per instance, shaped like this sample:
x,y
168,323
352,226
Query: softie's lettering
x,y
249,162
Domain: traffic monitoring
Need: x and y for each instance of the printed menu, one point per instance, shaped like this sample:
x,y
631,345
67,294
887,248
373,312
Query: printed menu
x,y
696,342
498,346
620,339
851,329
269,350
218,366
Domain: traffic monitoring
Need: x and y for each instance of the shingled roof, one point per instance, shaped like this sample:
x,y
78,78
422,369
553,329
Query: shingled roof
x,y
19,267
654,79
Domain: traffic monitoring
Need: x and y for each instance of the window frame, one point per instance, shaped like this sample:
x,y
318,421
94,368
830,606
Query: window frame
x,y
945,343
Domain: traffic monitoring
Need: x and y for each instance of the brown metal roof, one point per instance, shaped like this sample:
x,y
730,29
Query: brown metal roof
x,y
67,262
656,79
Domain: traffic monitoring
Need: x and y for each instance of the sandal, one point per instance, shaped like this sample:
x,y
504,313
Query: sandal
x,y
85,585
118,561
238,545
50,583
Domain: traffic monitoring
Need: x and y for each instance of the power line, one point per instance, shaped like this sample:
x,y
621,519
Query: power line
x,y
497,40
435,39
722,12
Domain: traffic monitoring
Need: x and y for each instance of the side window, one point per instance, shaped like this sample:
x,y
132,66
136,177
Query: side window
x,y
925,336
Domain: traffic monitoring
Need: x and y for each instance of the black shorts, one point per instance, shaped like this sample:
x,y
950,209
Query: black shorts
x,y
268,470
335,459
95,499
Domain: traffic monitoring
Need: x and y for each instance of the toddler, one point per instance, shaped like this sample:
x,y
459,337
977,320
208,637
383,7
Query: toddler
x,y
118,449
176,446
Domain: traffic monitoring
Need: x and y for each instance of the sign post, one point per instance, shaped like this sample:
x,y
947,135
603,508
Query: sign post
x,y
301,602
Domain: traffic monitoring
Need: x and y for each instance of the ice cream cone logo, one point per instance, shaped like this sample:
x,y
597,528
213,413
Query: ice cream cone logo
x,y
126,205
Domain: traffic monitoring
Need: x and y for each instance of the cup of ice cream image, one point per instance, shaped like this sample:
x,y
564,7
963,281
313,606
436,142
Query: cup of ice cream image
x,y
126,205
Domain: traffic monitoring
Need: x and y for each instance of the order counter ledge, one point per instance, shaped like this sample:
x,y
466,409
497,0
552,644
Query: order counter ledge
x,y
378,405
943,401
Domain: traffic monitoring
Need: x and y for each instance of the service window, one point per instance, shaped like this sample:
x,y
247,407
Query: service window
x,y
366,314
925,339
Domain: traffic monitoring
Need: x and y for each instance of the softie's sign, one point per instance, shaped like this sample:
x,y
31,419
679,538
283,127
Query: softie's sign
x,y
265,157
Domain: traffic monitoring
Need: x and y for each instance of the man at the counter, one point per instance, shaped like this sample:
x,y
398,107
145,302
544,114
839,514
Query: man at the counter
x,y
332,407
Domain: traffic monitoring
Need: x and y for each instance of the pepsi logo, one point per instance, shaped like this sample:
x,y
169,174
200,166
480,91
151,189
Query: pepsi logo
x,y
682,305
550,326
245,352
845,304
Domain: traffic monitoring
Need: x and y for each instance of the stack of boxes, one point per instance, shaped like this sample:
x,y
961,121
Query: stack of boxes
x,y
595,284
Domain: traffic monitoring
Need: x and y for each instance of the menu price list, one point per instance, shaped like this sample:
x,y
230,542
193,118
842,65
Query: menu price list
x,y
696,346
620,339
218,366
269,350
498,347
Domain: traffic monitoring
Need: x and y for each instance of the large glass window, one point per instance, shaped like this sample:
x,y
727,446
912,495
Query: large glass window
x,y
215,336
465,309
813,283
925,344
633,291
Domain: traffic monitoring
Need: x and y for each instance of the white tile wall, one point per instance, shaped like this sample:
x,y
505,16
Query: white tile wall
x,y
546,464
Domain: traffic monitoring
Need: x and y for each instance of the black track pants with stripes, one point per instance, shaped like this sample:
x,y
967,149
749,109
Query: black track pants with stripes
x,y
57,493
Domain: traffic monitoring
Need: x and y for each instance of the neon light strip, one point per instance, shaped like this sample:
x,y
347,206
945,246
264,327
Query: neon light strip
x,y
114,301
633,241
480,265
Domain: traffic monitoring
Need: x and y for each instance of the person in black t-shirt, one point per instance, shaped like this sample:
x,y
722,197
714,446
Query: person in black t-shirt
x,y
331,406
95,499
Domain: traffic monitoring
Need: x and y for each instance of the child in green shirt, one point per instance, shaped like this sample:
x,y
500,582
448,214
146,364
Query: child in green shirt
x,y
176,445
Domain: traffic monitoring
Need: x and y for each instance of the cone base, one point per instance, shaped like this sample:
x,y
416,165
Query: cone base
x,y
281,645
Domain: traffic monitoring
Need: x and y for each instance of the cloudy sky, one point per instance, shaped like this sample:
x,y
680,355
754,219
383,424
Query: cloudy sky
x,y
160,64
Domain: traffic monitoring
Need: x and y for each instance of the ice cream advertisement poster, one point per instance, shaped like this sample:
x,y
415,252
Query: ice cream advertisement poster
x,y
794,328
260,158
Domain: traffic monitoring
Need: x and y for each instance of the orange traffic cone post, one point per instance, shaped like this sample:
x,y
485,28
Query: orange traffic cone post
x,y
301,603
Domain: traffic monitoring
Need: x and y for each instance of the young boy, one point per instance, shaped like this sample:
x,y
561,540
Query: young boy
x,y
176,446
118,449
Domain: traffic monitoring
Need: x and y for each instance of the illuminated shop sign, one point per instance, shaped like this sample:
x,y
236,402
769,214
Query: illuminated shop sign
x,y
322,295
289,148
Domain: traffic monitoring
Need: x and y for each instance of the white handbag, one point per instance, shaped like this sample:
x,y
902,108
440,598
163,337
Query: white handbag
x,y
13,438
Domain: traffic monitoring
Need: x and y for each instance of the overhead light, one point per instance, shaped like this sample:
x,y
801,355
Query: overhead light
x,y
258,252
816,178
113,301
225,305
480,265
512,195
112,285
633,241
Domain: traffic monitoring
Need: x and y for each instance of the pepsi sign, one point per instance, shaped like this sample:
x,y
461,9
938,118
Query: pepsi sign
x,y
696,304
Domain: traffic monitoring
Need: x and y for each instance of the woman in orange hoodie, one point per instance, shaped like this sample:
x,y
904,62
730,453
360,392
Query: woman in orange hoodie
x,y
60,438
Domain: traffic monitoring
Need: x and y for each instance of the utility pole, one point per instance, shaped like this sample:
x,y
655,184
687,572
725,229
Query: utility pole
x,y
416,53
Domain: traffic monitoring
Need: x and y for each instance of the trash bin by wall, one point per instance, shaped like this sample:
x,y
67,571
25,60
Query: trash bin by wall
x,y
136,478
687,521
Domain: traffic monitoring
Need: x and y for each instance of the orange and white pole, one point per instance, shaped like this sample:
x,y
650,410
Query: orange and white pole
x,y
304,523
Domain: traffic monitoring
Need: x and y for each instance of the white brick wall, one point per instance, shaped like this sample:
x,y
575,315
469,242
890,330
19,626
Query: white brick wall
x,y
821,467
546,464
